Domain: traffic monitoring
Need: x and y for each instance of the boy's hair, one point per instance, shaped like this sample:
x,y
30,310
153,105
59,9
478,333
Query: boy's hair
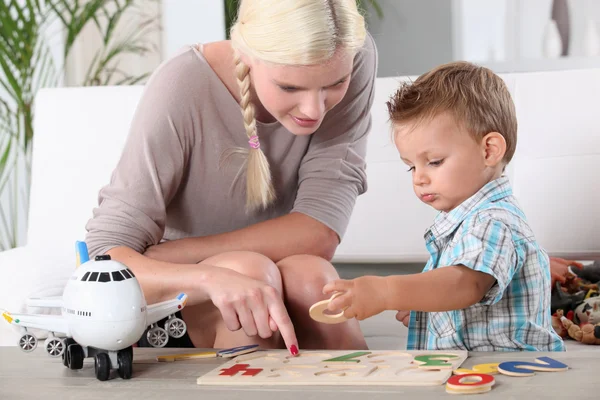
x,y
477,98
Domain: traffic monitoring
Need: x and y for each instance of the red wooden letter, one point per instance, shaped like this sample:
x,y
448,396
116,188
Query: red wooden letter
x,y
231,371
463,380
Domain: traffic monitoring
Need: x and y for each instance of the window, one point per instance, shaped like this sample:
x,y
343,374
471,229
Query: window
x,y
116,275
126,274
128,270
104,277
93,277
85,277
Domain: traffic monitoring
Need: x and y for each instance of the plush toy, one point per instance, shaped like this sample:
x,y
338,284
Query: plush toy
x,y
582,324
580,285
558,325
587,334
588,312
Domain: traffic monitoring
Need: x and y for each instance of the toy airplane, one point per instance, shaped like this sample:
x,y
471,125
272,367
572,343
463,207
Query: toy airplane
x,y
104,313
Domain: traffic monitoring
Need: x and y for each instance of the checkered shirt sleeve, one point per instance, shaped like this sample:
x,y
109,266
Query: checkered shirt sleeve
x,y
487,247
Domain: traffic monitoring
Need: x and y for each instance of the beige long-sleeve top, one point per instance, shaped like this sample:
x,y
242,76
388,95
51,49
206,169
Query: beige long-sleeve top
x,y
170,182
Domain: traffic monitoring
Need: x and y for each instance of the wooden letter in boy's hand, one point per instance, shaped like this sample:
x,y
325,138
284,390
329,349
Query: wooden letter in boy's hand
x,y
361,298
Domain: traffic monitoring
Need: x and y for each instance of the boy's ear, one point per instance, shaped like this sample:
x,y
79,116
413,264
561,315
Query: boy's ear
x,y
494,147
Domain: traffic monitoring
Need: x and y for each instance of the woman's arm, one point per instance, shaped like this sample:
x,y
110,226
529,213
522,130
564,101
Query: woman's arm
x,y
278,238
443,289
162,280
232,293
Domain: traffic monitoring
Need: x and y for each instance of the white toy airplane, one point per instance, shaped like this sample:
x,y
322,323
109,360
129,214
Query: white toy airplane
x,y
104,313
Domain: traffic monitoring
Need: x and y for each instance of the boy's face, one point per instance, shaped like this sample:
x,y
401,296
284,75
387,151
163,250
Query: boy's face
x,y
447,164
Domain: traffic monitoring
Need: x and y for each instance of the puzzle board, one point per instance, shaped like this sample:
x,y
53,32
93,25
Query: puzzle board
x,y
356,368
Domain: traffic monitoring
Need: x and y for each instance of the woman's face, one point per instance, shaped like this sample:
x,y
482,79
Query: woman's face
x,y
300,96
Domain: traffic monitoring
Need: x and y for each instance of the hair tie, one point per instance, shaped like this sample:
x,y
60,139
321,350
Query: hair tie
x,y
254,143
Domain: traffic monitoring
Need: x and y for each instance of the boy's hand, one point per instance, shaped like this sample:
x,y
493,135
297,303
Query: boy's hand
x,y
404,317
559,269
361,298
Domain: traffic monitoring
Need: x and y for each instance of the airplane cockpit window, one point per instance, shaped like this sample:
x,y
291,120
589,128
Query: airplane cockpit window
x,y
126,273
116,275
128,270
93,277
104,277
85,277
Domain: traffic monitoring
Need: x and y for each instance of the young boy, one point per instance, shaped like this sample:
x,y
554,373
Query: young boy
x,y
486,286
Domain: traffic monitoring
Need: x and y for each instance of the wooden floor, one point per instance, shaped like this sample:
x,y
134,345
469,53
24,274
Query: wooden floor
x,y
37,376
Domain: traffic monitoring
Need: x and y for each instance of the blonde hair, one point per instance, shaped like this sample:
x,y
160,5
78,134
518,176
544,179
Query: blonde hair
x,y
477,98
286,32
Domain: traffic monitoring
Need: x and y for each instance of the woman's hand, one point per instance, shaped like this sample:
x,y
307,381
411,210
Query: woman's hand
x,y
361,298
404,317
251,305
559,269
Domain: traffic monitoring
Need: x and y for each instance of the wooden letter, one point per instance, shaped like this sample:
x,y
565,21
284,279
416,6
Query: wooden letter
x,y
524,368
236,351
479,369
470,383
435,361
349,357
232,371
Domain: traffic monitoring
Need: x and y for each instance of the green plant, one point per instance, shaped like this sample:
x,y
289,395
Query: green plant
x,y
27,64
231,8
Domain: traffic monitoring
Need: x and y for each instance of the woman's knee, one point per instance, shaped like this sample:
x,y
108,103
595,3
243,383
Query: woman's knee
x,y
307,274
251,264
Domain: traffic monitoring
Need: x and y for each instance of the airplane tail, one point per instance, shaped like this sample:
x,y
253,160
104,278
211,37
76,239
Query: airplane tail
x,y
81,252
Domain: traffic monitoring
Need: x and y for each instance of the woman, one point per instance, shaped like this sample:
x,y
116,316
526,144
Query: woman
x,y
240,172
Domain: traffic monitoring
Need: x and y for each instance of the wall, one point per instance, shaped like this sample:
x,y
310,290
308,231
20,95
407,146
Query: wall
x,y
413,36
505,35
191,21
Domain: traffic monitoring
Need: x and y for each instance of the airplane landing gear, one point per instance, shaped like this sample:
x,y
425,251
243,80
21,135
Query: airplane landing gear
x,y
125,361
102,366
74,356
54,346
176,327
68,342
28,342
157,337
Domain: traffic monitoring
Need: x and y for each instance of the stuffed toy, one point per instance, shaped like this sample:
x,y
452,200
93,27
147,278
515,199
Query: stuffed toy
x,y
586,334
582,325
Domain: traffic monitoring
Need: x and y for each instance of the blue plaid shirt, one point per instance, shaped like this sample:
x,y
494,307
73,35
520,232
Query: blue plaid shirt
x,y
489,233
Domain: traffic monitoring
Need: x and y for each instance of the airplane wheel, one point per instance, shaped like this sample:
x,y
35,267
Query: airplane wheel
x,y
68,342
125,360
176,327
28,342
55,347
157,337
102,366
74,356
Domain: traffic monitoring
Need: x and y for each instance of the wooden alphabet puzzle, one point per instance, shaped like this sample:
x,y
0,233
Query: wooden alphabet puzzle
x,y
397,368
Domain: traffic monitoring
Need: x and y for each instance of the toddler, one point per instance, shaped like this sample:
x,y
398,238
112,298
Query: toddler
x,y
486,286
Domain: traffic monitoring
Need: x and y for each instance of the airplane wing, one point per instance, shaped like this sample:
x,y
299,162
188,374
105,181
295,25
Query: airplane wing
x,y
158,311
50,323
54,302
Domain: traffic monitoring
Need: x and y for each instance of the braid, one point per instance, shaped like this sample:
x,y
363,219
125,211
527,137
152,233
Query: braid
x,y
259,187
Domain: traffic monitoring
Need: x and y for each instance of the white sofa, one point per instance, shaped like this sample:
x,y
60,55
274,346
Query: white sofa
x,y
555,173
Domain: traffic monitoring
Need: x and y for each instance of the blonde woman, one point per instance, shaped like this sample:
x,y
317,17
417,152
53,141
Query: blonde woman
x,y
240,172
